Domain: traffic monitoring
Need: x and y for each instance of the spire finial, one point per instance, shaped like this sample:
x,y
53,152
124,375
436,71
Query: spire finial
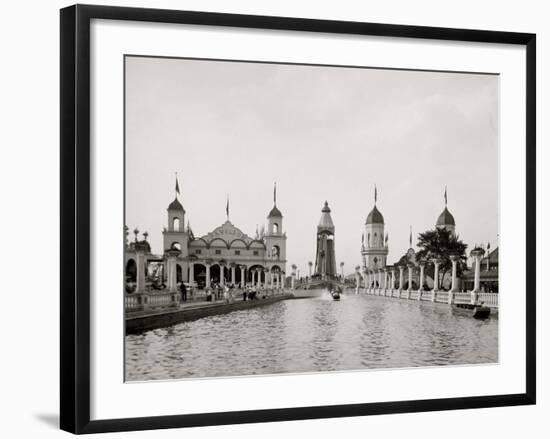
x,y
445,195
177,185
375,194
275,193
227,208
411,236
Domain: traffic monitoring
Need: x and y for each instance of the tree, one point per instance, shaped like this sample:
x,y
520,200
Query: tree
x,y
441,243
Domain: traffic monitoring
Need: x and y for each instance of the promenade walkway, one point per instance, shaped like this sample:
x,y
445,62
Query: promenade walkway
x,y
142,320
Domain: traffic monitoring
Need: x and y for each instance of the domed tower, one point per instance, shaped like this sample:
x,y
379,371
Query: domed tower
x,y
375,248
446,220
274,238
325,259
175,235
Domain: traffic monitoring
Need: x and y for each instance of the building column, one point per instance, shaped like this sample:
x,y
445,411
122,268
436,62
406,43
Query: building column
x,y
222,275
392,281
171,256
140,268
243,280
400,279
454,283
191,273
233,274
477,254
409,289
436,263
207,265
420,288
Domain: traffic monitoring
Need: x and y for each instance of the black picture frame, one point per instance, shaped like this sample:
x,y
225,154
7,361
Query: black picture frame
x,y
75,217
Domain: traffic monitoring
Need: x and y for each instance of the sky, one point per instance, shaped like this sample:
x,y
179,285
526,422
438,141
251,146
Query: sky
x,y
322,133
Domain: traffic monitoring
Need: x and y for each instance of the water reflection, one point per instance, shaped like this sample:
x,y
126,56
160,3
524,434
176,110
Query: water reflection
x,y
309,335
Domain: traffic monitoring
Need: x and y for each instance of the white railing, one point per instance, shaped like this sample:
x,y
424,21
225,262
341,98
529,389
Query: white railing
x,y
489,299
142,301
462,298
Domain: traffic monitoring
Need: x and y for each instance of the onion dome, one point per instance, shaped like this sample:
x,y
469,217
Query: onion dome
x,y
176,205
445,219
326,220
375,217
275,213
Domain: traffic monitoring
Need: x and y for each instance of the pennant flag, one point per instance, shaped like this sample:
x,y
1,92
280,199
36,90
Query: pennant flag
x,y
177,185
445,195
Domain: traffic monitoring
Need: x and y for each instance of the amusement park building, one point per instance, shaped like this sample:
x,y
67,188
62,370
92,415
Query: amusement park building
x,y
224,255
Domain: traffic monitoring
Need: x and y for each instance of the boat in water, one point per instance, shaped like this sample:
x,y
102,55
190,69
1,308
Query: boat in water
x,y
479,311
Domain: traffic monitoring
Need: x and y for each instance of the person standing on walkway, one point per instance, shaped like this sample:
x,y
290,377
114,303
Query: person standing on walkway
x,y
183,290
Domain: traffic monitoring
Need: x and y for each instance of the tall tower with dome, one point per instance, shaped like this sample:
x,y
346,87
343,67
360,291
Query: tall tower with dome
x,y
446,220
374,249
325,258
275,238
175,236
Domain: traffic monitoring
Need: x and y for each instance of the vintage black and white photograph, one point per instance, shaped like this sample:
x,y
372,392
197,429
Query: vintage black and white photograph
x,y
294,218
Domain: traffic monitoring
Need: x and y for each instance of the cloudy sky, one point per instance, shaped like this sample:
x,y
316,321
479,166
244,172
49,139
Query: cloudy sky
x,y
322,133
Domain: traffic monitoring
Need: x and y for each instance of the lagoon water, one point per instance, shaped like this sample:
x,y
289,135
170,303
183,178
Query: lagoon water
x,y
312,335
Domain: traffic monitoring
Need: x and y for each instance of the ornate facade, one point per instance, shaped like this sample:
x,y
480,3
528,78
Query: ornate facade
x,y
224,255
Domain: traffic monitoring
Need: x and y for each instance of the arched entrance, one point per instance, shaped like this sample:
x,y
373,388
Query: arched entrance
x,y
131,270
254,273
215,273
199,274
179,276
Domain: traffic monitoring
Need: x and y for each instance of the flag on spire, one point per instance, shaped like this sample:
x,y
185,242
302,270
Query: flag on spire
x,y
177,185
227,208
445,195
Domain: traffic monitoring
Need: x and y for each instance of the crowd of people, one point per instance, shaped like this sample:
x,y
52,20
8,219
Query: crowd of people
x,y
227,292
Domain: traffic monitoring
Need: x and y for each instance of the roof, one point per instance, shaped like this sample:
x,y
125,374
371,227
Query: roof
x,y
493,257
446,218
275,213
375,217
176,205
326,220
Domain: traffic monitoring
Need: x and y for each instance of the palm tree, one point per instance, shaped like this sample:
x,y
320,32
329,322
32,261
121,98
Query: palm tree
x,y
441,244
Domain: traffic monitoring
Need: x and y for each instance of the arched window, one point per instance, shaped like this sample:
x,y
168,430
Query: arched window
x,y
275,228
275,251
375,241
176,223
131,270
368,240
175,246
